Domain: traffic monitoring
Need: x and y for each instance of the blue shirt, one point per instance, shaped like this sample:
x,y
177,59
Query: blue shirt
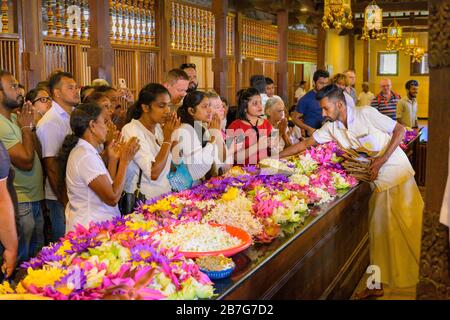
x,y
309,106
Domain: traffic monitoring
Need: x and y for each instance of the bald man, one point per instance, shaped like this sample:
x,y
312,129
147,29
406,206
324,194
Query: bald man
x,y
386,101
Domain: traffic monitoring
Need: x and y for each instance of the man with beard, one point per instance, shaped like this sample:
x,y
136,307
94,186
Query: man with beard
x,y
17,135
395,207
191,71
407,106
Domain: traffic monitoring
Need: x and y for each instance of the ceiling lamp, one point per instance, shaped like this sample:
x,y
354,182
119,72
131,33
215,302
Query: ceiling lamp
x,y
394,37
373,22
418,54
411,43
337,14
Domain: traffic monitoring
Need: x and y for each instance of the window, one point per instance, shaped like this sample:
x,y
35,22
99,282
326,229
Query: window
x,y
420,68
387,63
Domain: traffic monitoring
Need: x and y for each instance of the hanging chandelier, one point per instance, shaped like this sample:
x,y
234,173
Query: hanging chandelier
x,y
394,37
418,54
411,43
373,22
337,14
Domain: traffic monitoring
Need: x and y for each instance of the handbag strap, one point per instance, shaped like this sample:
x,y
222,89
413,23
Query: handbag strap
x,y
138,185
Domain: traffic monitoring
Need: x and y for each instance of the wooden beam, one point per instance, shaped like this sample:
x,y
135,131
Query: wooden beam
x,y
404,22
321,39
366,61
32,50
393,6
100,55
165,56
283,24
238,50
220,63
351,51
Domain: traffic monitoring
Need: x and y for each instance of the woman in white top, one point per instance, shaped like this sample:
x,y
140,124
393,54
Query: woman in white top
x,y
93,189
200,142
152,124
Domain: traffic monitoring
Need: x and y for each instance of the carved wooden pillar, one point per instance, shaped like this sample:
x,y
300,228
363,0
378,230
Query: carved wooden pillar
x,y
100,54
434,267
220,64
238,50
283,24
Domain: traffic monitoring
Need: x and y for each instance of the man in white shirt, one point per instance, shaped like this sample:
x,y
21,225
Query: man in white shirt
x,y
407,106
51,131
351,80
395,207
270,90
365,97
177,82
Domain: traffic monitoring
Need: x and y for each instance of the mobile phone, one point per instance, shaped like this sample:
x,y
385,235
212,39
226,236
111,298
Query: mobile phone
x,y
122,83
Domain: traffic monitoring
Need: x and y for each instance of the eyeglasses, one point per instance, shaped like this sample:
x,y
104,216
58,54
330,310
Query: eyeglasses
x,y
43,100
188,65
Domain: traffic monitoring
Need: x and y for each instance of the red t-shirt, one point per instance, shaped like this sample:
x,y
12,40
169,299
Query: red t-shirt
x,y
242,131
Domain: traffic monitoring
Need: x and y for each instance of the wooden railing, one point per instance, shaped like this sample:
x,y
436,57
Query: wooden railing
x,y
133,22
192,29
302,47
259,40
66,19
9,55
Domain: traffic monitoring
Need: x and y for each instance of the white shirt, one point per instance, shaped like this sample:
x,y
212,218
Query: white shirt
x,y
370,130
85,206
364,99
349,100
150,146
407,112
445,210
51,131
189,149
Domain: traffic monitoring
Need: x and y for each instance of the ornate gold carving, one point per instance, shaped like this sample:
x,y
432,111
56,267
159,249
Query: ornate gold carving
x,y
439,37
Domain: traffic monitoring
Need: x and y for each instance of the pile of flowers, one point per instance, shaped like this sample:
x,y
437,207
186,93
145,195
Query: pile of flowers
x,y
410,135
121,259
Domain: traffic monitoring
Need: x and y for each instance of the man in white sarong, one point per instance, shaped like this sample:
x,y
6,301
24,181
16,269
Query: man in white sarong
x,y
396,206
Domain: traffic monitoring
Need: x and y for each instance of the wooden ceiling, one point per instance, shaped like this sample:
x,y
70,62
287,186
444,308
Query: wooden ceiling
x,y
409,13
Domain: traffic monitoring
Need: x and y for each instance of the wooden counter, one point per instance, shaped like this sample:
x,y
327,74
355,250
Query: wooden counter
x,y
323,259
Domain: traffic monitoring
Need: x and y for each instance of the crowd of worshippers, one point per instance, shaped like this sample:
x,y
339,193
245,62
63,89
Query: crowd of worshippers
x,y
73,155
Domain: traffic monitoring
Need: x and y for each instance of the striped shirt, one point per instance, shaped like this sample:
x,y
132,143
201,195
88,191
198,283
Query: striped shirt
x,y
388,108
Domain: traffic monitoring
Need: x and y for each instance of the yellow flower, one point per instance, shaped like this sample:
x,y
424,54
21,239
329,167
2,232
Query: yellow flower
x,y
231,194
5,288
66,245
20,289
44,277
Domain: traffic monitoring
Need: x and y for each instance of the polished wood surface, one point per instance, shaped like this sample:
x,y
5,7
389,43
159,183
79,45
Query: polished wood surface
x,y
324,259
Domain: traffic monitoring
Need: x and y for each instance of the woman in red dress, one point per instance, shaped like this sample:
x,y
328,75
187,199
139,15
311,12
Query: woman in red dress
x,y
250,132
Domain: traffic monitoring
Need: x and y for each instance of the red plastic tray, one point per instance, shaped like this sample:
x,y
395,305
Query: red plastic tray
x,y
245,238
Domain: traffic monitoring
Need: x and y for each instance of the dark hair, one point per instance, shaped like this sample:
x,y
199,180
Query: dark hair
x,y
293,108
83,91
411,83
258,82
55,80
147,96
188,65
33,93
174,75
43,85
104,89
244,99
79,123
269,81
320,74
94,97
191,100
302,82
332,92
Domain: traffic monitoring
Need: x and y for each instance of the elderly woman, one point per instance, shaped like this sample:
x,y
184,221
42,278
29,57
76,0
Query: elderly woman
x,y
275,112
